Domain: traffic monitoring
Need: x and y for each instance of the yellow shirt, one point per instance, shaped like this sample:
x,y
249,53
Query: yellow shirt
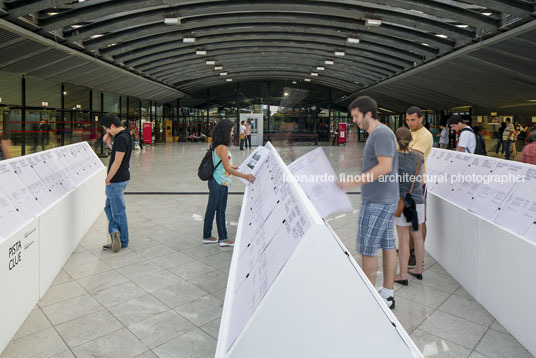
x,y
423,142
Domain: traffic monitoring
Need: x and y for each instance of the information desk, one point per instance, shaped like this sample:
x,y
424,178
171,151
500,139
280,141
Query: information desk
x,y
483,233
48,201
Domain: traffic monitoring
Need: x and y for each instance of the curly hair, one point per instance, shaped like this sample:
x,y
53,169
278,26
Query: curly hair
x,y
221,133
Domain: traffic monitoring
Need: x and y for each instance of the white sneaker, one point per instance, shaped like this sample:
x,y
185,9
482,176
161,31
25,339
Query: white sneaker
x,y
211,240
226,243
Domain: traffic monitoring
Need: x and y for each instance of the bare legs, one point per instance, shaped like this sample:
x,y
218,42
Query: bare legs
x,y
404,233
370,266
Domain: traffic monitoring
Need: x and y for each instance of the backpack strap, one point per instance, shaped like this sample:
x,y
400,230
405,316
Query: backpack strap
x,y
214,151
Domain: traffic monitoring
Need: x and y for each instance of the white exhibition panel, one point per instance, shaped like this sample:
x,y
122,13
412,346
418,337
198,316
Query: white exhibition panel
x,y
293,291
19,279
48,201
490,247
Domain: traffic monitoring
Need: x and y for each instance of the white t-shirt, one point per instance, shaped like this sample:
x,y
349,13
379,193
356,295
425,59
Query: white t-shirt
x,y
242,129
467,140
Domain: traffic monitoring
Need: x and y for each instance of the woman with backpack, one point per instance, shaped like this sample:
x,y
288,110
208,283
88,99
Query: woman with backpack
x,y
409,221
219,183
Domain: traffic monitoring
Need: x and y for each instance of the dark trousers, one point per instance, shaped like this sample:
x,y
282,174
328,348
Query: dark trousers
x,y
499,143
217,204
242,143
507,146
248,140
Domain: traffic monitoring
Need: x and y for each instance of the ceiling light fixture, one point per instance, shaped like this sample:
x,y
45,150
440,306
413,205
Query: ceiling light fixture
x,y
486,13
294,82
314,74
352,40
210,62
53,13
320,68
96,36
443,36
201,52
229,80
286,94
218,68
223,73
44,104
462,26
307,80
172,21
328,62
190,40
339,53
373,22
76,26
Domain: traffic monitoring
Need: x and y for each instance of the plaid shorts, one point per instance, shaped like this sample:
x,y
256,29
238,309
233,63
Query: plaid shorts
x,y
375,228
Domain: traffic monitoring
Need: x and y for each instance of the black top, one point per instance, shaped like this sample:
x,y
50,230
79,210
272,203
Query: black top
x,y
122,143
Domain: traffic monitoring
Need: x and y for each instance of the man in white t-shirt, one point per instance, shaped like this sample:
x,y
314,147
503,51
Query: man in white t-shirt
x,y
242,135
467,138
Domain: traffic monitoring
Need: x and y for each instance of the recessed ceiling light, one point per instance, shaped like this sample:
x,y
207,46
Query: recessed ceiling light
x,y
229,80
223,73
218,68
314,74
532,100
307,80
462,26
188,39
76,26
0,99
486,13
172,21
417,11
425,44
352,40
328,62
53,13
111,45
96,36
294,82
286,93
339,53
209,62
373,22
443,36
44,104
201,53
320,68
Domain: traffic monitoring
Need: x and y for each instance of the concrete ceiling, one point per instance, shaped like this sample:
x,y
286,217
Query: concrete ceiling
x,y
265,41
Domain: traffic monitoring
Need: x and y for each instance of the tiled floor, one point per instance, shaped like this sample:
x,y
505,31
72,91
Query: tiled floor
x,y
163,296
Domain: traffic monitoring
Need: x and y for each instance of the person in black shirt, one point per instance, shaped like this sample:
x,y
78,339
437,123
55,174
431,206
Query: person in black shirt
x,y
117,180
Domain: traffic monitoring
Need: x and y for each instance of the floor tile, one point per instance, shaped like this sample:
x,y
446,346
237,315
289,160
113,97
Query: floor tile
x,y
178,294
88,328
160,329
200,252
138,309
410,314
120,344
438,269
124,258
219,261
196,344
192,270
496,344
499,327
80,259
156,251
172,260
433,346
35,322
211,282
212,328
148,354
61,292
463,293
202,310
454,329
63,277
102,280
157,281
467,309
423,294
116,294
64,354
71,309
89,269
441,282
45,343
139,269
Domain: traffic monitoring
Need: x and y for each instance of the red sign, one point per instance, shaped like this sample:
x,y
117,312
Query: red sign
x,y
342,133
147,133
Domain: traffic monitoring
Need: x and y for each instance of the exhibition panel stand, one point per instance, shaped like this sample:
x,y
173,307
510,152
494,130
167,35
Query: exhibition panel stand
x,y
48,201
482,230
293,289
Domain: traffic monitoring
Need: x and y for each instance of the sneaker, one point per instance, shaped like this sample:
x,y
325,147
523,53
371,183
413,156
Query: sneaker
x,y
211,240
226,243
390,302
116,242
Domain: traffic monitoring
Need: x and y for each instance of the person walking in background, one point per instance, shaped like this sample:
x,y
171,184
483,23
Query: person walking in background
x,y
443,136
379,197
422,142
508,136
242,135
528,155
5,144
117,180
248,133
500,138
409,223
467,138
218,185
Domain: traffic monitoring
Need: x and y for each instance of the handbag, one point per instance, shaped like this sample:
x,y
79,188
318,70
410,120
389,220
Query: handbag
x,y
401,206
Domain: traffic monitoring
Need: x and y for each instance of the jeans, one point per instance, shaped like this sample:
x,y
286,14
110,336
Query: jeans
x,y
499,143
242,143
248,140
507,146
217,204
116,210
